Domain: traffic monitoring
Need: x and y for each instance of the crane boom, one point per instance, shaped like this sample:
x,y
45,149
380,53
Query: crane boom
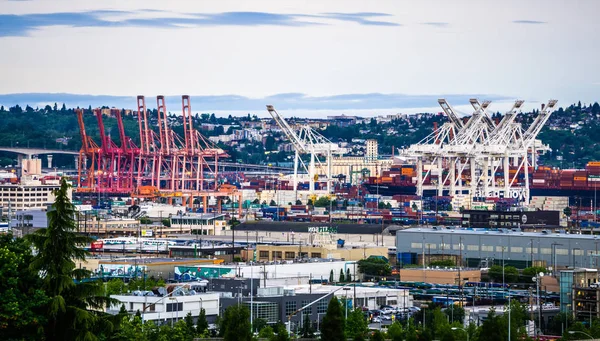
x,y
450,113
539,122
287,130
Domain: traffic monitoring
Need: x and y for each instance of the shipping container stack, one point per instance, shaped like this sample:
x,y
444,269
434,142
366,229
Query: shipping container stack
x,y
593,174
566,178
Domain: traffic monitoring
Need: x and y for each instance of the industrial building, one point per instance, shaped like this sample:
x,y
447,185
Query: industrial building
x,y
163,308
203,223
277,303
291,252
485,247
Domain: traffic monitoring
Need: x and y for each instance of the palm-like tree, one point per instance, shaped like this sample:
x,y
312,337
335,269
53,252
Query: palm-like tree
x,y
76,308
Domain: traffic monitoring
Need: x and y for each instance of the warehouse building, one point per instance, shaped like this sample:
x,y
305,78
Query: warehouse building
x,y
482,248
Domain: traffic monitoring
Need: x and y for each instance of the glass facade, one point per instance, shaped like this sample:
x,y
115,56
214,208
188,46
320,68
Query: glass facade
x,y
566,285
268,311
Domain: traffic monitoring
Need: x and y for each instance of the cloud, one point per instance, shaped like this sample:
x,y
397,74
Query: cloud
x,y
361,18
22,25
533,22
225,103
436,24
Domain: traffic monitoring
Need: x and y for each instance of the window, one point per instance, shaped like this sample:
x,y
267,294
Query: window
x,y
531,250
473,247
416,245
149,307
277,255
264,254
500,248
430,246
290,307
322,306
290,255
488,248
456,246
315,255
516,249
545,251
174,306
577,252
306,311
563,252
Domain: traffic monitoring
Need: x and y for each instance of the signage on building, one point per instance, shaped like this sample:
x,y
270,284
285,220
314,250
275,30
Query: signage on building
x,y
500,193
322,229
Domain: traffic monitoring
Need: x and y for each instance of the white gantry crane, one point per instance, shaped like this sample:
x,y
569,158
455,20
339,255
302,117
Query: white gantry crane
x,y
307,141
475,158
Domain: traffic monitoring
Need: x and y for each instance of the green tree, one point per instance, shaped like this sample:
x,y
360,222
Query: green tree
x,y
356,324
266,333
307,330
282,334
235,324
272,203
342,277
529,273
511,274
145,221
455,313
395,332
166,222
22,300
322,202
115,286
348,275
331,276
332,326
130,329
76,307
377,336
567,211
298,202
374,267
189,329
493,328
202,324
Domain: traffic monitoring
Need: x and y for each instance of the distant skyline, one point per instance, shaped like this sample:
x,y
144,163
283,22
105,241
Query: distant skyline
x,y
306,58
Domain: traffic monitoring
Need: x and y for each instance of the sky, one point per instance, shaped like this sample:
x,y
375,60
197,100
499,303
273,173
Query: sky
x,y
305,57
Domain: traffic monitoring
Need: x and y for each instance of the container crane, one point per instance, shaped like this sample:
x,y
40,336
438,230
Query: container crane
x,y
307,141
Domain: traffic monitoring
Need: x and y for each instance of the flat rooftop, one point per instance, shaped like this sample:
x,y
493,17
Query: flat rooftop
x,y
486,232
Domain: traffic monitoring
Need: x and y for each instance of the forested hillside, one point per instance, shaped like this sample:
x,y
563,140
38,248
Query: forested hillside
x,y
572,132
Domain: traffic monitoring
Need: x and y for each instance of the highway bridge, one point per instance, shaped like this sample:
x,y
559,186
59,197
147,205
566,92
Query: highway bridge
x,y
228,166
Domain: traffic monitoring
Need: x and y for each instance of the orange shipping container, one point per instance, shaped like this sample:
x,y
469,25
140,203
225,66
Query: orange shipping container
x,y
594,163
580,178
407,171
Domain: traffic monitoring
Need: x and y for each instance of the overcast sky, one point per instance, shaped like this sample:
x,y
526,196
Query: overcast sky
x,y
343,56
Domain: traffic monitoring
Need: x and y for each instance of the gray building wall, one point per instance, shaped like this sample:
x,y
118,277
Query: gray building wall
x,y
516,248
296,301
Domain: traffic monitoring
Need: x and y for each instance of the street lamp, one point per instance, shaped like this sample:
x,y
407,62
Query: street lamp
x,y
538,279
464,330
346,301
577,331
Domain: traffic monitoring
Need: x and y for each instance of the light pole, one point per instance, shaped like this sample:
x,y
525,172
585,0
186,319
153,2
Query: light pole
x,y
464,330
577,331
538,279
346,301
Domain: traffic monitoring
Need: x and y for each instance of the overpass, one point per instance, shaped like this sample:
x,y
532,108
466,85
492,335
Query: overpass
x,y
29,152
